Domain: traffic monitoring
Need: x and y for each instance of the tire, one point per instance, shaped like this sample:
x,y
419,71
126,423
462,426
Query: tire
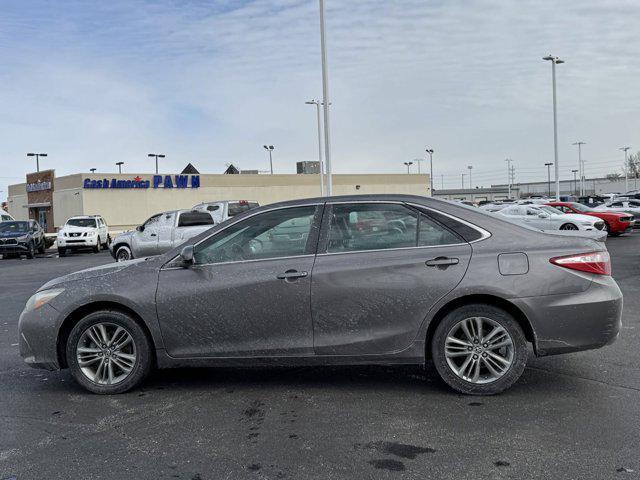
x,y
485,385
42,247
62,252
105,245
123,380
98,246
31,253
569,226
123,254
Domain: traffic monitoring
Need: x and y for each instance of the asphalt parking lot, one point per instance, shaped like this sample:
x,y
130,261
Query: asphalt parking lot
x,y
573,416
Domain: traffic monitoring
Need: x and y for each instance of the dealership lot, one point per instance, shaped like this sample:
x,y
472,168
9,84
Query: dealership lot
x,y
574,416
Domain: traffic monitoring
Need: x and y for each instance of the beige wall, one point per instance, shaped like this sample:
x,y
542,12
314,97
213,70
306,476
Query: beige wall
x,y
126,208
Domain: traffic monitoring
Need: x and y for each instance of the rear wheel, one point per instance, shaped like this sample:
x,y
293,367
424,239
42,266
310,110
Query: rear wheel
x,y
108,352
96,249
479,349
568,226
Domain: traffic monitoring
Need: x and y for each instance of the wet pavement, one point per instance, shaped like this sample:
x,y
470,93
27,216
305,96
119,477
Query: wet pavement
x,y
573,416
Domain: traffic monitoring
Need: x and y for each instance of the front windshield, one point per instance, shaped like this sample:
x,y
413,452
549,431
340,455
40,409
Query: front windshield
x,y
12,227
580,208
550,210
82,222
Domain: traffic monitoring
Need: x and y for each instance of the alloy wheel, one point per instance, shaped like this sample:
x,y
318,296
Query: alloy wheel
x,y
106,353
568,226
479,350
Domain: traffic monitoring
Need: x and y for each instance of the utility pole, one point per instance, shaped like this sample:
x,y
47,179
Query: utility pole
x,y
548,165
269,148
463,181
575,181
37,155
626,169
470,177
580,166
156,155
325,100
508,160
408,164
441,181
320,162
555,61
430,152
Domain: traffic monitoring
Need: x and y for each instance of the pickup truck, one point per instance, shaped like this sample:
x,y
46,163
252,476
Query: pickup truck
x,y
159,234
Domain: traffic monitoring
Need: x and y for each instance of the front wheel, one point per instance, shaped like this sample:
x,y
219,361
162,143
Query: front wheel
x,y
96,249
568,226
108,352
31,253
479,349
123,254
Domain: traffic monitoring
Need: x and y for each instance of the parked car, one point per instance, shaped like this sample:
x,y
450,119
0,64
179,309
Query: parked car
x,y
159,234
629,206
4,216
438,281
83,232
21,238
494,207
615,223
226,209
548,218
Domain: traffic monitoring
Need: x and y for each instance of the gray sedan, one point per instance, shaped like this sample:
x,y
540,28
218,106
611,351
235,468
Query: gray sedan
x,y
378,279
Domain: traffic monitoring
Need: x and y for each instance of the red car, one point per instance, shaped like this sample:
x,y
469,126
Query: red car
x,y
616,223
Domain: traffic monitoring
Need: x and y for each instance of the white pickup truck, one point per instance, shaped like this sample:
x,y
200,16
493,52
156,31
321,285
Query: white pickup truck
x,y
159,234
225,209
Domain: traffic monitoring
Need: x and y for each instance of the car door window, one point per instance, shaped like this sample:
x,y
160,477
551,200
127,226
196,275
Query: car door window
x,y
372,226
431,233
533,212
285,232
152,222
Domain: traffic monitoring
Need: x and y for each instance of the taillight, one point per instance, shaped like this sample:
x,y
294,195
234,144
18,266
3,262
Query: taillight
x,y
592,262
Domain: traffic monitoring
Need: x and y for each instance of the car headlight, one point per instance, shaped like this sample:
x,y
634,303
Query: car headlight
x,y
24,238
91,234
40,299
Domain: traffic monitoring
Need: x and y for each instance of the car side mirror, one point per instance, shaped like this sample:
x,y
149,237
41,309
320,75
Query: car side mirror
x,y
186,255
140,228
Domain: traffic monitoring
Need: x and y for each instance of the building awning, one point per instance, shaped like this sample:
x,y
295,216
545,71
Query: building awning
x,y
37,205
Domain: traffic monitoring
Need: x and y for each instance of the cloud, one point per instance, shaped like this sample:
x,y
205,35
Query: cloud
x,y
210,82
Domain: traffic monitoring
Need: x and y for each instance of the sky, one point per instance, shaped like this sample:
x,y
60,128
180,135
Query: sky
x,y
210,82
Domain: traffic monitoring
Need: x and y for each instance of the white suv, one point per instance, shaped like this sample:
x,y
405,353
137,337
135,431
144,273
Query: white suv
x,y
89,231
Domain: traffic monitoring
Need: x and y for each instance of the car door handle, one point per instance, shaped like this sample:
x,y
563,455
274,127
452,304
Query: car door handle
x,y
441,261
153,235
292,275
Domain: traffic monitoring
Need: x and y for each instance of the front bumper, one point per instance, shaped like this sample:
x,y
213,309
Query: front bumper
x,y
77,242
14,248
575,322
37,332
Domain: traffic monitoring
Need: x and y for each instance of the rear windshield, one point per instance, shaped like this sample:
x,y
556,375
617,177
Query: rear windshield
x,y
8,227
237,208
82,222
192,219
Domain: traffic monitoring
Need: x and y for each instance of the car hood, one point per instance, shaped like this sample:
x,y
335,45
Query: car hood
x,y
580,217
94,272
13,234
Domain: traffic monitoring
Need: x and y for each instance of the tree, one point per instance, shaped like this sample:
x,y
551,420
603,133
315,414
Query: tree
x,y
633,165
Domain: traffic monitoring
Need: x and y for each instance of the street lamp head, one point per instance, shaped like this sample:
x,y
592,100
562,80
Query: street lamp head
x,y
119,163
429,150
42,154
574,171
31,154
311,102
161,155
548,164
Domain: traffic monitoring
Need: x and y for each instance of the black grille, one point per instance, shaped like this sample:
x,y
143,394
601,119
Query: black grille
x,y
8,241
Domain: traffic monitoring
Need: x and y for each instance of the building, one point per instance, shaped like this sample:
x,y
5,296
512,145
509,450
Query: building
x,y
127,200
593,186
476,194
308,167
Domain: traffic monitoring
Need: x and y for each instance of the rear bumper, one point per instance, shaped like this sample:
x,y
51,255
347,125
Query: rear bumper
x,y
575,322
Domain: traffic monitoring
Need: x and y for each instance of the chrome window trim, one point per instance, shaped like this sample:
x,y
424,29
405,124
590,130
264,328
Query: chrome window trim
x,y
485,233
392,249
198,265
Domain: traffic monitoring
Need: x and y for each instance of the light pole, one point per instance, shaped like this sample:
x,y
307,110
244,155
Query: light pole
x,y
626,169
156,155
93,170
555,61
408,164
508,160
119,164
575,181
325,100
320,162
269,148
463,181
580,166
430,152
470,177
37,155
548,165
